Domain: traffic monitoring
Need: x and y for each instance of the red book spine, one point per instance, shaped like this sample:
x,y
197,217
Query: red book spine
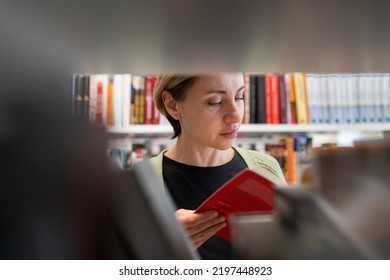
x,y
275,114
99,103
268,105
148,100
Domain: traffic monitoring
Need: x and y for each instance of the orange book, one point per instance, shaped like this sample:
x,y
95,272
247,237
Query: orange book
x,y
291,160
109,103
246,98
250,191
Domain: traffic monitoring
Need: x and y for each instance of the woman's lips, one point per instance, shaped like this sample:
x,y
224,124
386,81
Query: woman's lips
x,y
230,134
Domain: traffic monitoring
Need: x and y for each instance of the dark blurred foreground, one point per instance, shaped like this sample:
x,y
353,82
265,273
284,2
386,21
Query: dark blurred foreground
x,y
61,197
345,216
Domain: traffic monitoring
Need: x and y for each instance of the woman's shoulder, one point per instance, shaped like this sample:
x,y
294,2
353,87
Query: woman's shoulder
x,y
255,158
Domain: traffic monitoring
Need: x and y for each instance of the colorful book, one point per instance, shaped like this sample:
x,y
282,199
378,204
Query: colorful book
x,y
250,191
301,98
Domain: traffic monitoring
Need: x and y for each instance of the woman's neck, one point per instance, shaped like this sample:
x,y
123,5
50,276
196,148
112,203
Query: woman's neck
x,y
197,155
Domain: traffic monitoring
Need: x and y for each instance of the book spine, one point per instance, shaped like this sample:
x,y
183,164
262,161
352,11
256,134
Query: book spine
x,y
340,98
275,99
104,80
385,89
246,118
283,99
292,98
288,100
148,99
99,103
363,103
117,100
109,107
377,98
76,96
291,160
324,99
268,104
92,98
260,98
85,96
126,100
253,118
155,111
301,100
311,98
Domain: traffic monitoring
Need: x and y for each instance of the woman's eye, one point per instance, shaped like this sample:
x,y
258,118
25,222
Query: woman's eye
x,y
239,98
215,104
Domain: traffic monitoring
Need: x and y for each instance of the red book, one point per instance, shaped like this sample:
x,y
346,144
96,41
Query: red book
x,y
148,99
268,104
99,103
275,114
250,191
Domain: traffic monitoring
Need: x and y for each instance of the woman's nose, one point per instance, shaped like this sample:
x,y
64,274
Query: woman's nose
x,y
234,113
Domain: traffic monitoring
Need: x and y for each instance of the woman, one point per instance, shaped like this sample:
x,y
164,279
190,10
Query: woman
x,y
206,112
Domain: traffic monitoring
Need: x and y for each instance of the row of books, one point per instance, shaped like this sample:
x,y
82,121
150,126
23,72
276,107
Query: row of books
x,y
287,152
118,100
122,100
303,98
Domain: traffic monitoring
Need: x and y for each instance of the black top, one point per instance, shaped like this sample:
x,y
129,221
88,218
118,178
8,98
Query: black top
x,y
190,185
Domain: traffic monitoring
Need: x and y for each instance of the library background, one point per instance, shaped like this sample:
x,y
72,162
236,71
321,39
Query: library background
x,y
317,98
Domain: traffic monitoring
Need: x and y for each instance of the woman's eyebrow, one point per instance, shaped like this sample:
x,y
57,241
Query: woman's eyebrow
x,y
222,91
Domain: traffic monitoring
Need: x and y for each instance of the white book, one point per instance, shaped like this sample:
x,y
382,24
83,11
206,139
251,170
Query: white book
x,y
332,99
92,98
377,97
370,97
340,95
126,100
385,93
323,98
362,98
117,100
311,98
352,98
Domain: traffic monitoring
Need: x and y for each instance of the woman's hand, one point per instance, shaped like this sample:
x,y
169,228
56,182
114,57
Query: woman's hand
x,y
200,226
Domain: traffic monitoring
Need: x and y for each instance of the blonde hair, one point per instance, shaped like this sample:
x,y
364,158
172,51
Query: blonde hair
x,y
176,85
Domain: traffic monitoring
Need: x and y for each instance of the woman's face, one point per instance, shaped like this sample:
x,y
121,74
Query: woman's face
x,y
212,110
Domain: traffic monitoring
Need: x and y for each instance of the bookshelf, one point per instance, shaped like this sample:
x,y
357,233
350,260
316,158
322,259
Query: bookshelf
x,y
256,129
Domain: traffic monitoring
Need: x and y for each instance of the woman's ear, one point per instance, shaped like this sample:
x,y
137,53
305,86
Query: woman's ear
x,y
170,104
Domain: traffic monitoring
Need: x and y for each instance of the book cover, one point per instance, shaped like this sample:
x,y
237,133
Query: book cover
x,y
251,190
